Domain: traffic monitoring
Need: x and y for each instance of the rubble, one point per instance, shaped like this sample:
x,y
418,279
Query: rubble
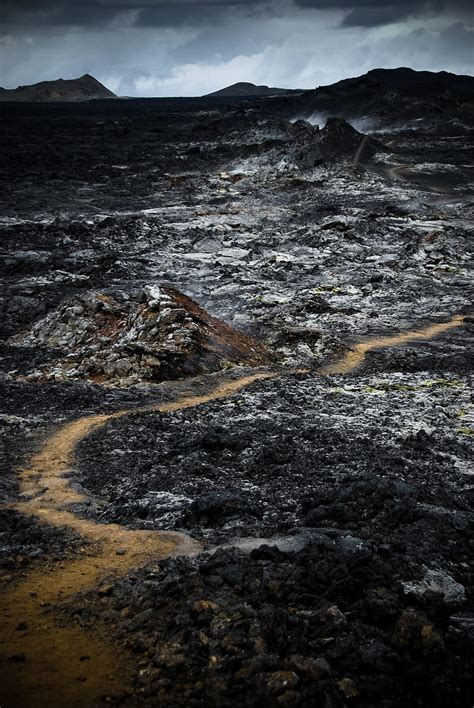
x,y
162,335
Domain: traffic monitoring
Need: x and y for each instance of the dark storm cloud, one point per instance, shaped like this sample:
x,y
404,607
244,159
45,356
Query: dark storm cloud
x,y
373,13
384,14
162,13
198,12
35,12
177,13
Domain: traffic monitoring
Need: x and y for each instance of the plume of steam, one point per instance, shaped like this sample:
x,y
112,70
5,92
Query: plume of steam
x,y
363,124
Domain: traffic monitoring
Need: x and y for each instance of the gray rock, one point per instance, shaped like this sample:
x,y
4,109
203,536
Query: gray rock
x,y
439,582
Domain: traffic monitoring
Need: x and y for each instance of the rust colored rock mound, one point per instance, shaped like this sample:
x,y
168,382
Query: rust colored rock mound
x,y
162,335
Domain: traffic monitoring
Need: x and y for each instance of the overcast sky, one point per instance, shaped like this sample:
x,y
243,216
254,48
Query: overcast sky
x,y
191,47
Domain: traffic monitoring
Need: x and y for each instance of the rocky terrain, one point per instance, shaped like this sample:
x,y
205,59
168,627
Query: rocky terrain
x,y
154,255
163,336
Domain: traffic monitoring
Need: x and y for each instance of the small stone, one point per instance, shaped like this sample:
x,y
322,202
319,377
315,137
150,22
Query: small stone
x,y
334,614
260,646
120,552
438,582
205,606
289,698
310,668
280,681
17,658
348,688
84,657
22,626
106,590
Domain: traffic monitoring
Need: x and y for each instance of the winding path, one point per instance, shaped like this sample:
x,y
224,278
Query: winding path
x,y
397,171
66,665
360,151
356,355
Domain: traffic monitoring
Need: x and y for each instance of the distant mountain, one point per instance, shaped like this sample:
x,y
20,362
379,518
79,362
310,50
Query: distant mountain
x,y
84,88
411,82
383,97
248,90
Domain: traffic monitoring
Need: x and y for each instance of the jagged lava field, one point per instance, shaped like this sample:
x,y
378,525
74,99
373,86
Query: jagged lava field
x,y
236,399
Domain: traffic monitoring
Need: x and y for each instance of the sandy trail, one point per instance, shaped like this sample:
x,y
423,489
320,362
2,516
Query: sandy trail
x,y
55,672
407,173
360,151
397,171
356,355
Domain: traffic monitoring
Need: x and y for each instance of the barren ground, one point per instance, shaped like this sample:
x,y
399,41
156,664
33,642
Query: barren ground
x,y
274,511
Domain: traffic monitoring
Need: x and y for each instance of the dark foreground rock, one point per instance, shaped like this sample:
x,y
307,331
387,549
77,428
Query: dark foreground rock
x,y
24,542
341,622
369,453
337,566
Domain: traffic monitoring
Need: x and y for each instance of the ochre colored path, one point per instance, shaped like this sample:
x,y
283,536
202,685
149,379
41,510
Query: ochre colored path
x,y
66,666
397,171
356,355
53,674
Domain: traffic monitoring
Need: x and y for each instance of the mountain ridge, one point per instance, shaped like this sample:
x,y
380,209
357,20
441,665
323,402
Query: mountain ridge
x,y
410,80
84,88
247,89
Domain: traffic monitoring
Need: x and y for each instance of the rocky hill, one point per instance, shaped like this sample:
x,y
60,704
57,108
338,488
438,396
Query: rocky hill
x,y
385,97
412,82
249,90
162,335
84,88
